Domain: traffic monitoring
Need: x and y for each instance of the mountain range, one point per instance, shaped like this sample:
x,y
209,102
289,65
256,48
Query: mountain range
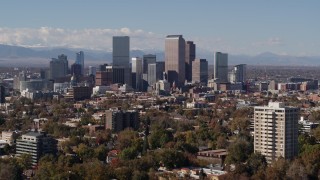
x,y
27,56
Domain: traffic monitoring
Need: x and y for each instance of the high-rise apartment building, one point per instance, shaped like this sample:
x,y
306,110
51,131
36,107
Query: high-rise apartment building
x,y
221,67
80,60
190,56
136,73
175,59
276,131
118,120
36,144
59,67
200,71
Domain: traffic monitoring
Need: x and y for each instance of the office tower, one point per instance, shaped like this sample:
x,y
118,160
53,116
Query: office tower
x,y
121,51
276,131
42,74
117,73
136,73
152,74
59,67
240,72
190,56
16,80
118,120
103,78
102,67
221,67
200,71
160,70
36,144
2,94
92,70
121,54
80,60
175,59
148,59
76,69
78,93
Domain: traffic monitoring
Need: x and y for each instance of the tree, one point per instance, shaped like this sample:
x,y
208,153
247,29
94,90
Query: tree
x,y
159,138
222,142
277,170
172,159
24,161
256,162
127,138
239,151
297,170
101,152
84,152
9,169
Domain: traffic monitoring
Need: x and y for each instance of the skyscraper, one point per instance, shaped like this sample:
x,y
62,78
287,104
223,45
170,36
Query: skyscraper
x,y
59,67
80,60
240,72
160,70
152,74
121,51
221,67
175,59
2,94
121,55
190,56
92,70
148,59
136,73
276,131
200,71
76,69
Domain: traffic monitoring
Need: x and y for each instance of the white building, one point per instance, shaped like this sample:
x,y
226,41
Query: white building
x,y
276,131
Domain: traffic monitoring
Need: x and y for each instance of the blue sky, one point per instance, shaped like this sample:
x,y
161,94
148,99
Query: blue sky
x,y
238,27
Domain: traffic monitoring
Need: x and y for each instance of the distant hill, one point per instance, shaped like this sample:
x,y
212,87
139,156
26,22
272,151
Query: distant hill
x,y
23,56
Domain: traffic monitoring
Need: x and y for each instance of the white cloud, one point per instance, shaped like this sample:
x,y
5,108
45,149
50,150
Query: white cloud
x,y
99,39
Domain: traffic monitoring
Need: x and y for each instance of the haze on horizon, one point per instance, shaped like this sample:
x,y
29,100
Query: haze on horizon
x,y
246,27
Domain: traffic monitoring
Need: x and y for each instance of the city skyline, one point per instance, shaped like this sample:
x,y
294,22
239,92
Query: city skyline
x,y
235,27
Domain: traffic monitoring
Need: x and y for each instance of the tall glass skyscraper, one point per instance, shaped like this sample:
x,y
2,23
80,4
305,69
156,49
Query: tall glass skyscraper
x,y
221,67
80,60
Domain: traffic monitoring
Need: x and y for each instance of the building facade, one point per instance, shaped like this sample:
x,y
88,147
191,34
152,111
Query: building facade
x,y
80,61
189,57
152,74
58,67
148,59
36,144
276,131
137,73
200,71
118,120
175,59
121,55
221,67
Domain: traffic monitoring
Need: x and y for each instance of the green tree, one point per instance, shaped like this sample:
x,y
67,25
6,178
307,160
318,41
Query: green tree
x,y
239,151
159,138
256,162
